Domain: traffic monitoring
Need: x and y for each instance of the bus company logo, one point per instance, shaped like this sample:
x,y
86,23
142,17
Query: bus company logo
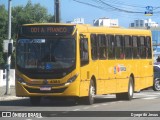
x,y
121,68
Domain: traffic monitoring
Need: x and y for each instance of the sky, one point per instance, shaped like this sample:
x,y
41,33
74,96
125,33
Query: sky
x,y
126,11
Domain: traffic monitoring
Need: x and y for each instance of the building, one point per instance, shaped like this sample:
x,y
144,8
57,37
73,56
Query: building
x,y
151,25
106,22
143,23
77,21
155,36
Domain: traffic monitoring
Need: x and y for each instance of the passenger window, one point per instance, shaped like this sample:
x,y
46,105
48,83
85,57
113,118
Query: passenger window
x,y
148,47
135,47
94,46
119,49
142,49
84,51
102,46
128,47
111,46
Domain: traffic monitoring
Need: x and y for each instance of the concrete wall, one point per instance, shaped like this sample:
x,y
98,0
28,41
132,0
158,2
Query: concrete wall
x,y
3,78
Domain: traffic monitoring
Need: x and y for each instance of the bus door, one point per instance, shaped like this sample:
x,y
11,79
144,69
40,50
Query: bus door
x,y
84,65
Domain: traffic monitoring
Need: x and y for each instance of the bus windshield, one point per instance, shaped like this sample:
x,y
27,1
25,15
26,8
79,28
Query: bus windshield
x,y
45,54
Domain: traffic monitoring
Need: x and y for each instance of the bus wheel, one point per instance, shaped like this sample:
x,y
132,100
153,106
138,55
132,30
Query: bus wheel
x,y
128,95
89,100
35,101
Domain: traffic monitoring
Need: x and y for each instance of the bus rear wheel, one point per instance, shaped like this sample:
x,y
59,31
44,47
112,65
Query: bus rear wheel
x,y
35,101
127,95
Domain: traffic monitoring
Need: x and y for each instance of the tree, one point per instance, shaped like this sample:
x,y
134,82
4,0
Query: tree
x,y
3,32
31,13
3,22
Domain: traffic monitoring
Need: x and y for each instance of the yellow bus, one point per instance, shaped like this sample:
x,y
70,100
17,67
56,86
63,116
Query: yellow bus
x,y
82,61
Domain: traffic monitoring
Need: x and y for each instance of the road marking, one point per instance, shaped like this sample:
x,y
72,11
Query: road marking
x,y
96,106
76,109
120,101
86,108
113,102
104,104
149,98
145,96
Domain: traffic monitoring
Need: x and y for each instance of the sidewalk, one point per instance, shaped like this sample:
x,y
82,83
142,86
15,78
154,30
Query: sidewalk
x,y
3,90
12,95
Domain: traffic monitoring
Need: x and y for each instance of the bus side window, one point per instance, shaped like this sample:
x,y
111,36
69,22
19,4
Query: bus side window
x,y
135,47
119,49
111,47
94,47
142,49
128,46
84,51
148,47
102,47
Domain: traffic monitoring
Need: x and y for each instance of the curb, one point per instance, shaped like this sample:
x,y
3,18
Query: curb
x,y
8,98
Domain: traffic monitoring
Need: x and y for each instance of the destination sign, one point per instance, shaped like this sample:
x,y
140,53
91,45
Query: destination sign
x,y
46,30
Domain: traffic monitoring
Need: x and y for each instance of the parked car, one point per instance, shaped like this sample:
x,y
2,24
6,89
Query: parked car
x,y
156,83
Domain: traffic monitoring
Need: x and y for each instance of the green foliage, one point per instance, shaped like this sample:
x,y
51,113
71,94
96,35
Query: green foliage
x,y
3,25
31,13
1,61
3,32
3,21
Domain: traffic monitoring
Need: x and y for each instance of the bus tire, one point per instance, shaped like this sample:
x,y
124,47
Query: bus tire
x,y
89,100
35,101
127,95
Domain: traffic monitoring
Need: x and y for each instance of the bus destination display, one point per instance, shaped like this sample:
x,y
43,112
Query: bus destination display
x,y
46,30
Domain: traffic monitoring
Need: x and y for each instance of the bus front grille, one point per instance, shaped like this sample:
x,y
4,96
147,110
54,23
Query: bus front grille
x,y
33,90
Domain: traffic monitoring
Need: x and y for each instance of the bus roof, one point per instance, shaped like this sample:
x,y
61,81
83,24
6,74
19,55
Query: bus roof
x,y
85,28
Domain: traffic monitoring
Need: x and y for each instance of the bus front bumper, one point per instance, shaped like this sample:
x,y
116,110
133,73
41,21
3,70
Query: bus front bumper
x,y
62,91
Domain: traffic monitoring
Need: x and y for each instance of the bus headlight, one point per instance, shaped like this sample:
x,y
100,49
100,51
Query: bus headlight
x,y
72,79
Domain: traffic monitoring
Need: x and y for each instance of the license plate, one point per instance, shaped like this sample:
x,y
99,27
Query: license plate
x,y
45,88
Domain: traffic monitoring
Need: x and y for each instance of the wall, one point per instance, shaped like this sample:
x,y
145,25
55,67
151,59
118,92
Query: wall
x,y
3,80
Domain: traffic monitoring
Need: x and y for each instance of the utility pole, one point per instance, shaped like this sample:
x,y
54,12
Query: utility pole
x,y
9,49
57,11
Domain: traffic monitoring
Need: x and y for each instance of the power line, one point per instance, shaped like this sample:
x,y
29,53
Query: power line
x,y
114,6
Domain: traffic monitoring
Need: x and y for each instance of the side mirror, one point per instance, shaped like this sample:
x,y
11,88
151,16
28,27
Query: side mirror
x,y
10,49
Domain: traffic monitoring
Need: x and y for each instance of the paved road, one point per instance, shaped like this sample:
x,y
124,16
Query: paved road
x,y
144,101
